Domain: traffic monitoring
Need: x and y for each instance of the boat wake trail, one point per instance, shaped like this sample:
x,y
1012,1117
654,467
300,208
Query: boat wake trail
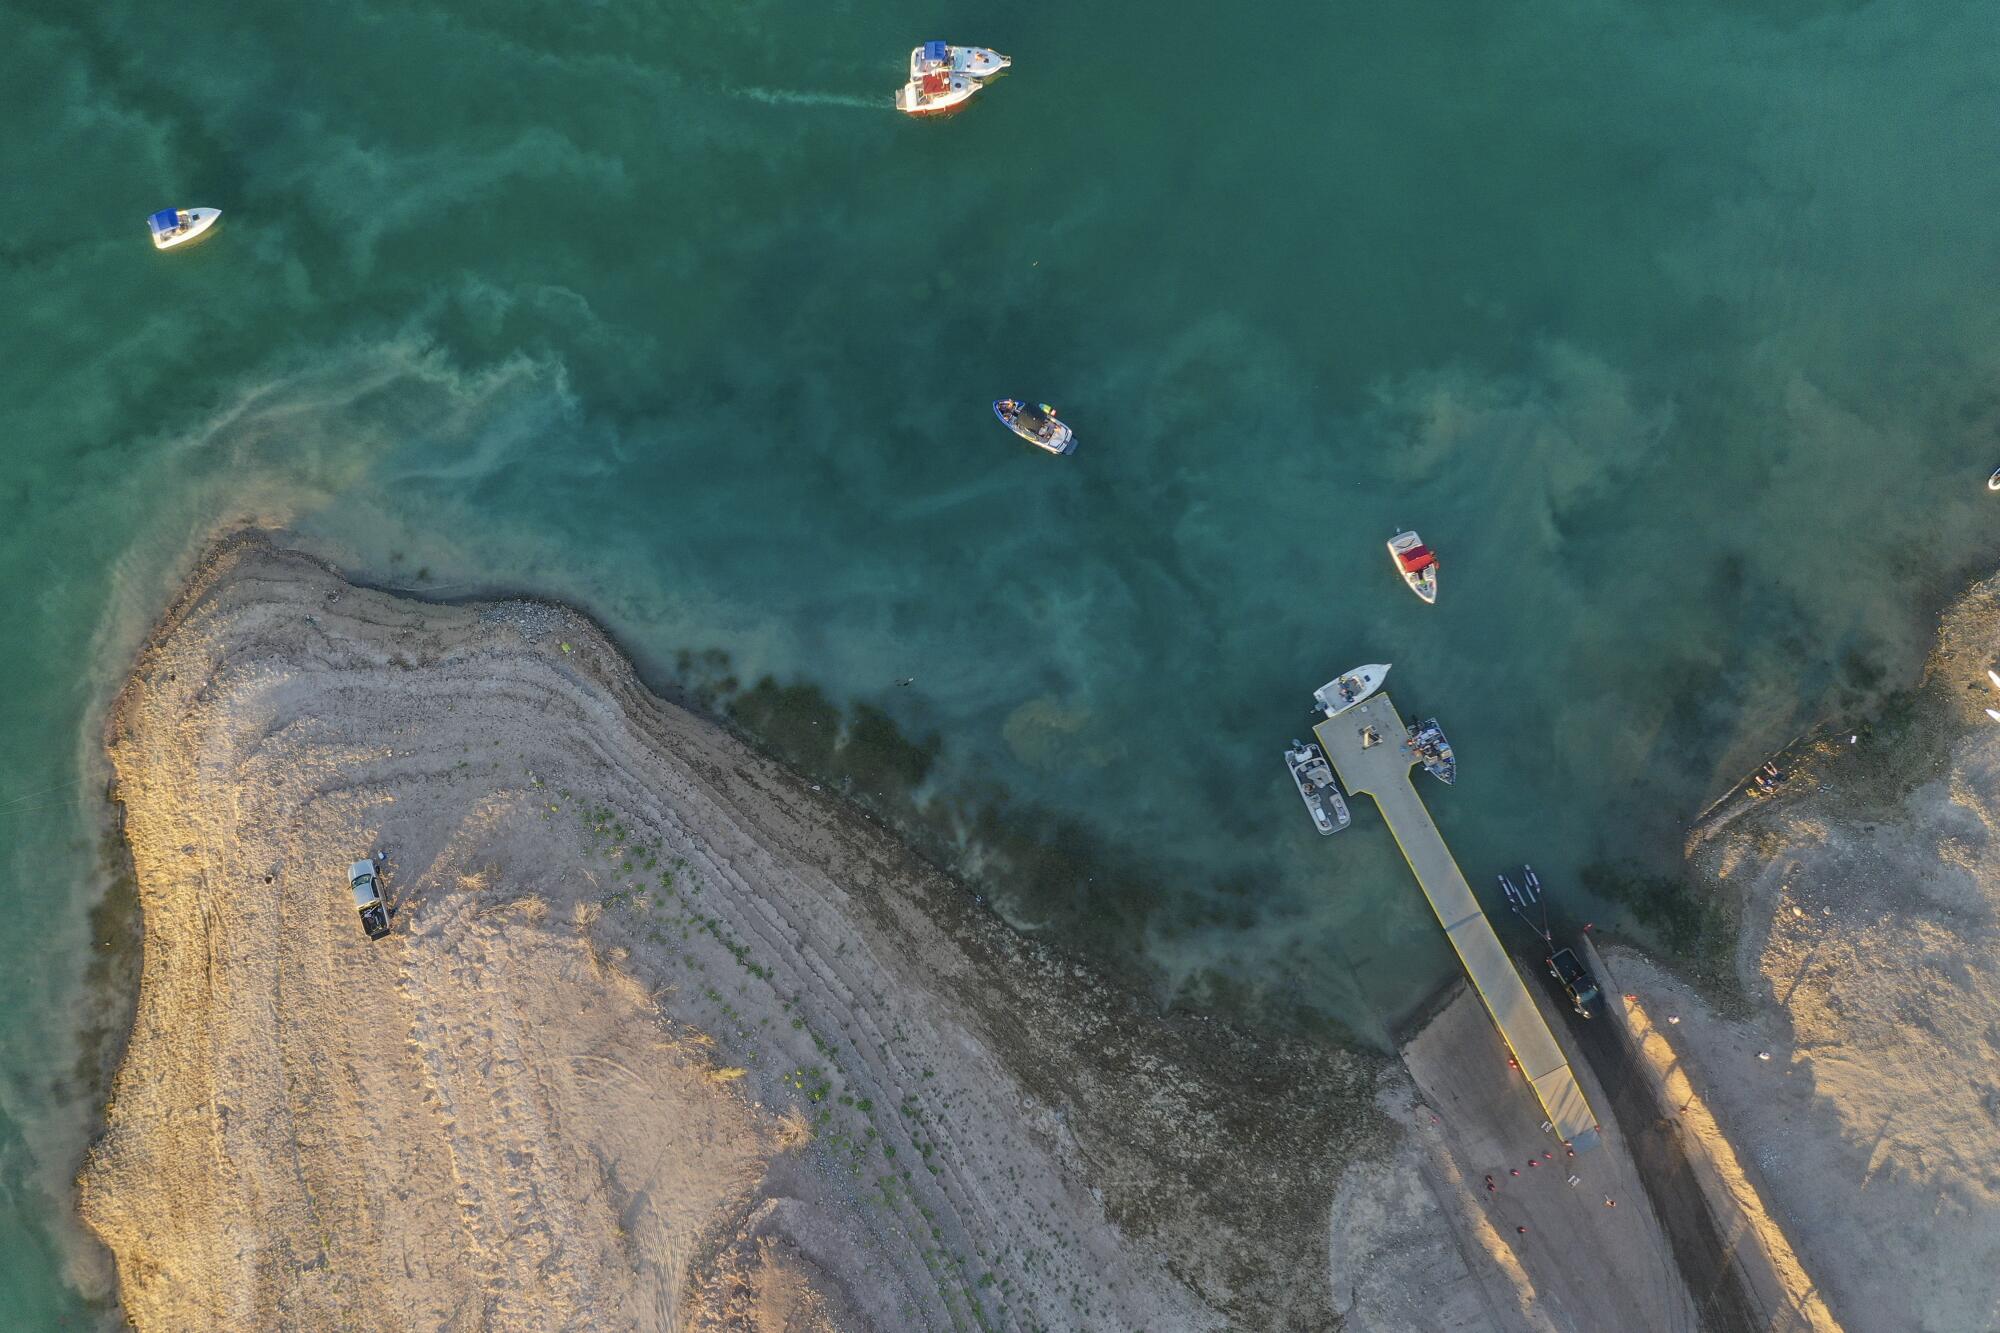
x,y
785,97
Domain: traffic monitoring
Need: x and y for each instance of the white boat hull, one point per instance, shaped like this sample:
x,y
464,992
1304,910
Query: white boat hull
x,y
1314,778
195,223
1423,582
1350,688
975,62
912,100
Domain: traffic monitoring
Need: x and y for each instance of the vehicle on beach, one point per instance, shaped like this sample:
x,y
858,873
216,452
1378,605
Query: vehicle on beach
x,y
1417,563
1037,425
1574,978
177,226
1317,788
368,899
1433,751
973,61
1344,691
936,94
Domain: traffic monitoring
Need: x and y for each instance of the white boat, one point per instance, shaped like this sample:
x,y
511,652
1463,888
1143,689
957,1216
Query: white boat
x,y
1416,563
974,61
1344,691
936,94
1993,482
1317,787
178,226
1037,425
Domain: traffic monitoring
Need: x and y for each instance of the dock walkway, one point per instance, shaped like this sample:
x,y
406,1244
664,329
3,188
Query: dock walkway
x,y
1383,772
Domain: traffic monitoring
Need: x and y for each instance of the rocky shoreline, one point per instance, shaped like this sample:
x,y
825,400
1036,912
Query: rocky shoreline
x,y
664,1036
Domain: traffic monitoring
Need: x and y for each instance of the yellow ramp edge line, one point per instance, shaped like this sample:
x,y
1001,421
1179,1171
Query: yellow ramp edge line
x,y
1382,771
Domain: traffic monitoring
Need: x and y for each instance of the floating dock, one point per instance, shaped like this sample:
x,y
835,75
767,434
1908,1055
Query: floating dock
x,y
1382,770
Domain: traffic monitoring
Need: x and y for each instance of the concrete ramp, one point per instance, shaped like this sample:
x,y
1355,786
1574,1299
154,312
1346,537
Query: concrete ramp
x,y
1382,770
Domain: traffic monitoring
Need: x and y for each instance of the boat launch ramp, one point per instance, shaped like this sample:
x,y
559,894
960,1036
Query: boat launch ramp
x,y
1367,746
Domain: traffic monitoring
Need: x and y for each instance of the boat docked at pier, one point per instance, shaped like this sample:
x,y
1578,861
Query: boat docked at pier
x,y
1417,563
973,61
177,226
1037,425
1427,741
1344,691
1317,788
936,93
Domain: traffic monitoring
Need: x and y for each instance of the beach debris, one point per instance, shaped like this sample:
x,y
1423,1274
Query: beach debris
x,y
1575,1180
563,646
1852,739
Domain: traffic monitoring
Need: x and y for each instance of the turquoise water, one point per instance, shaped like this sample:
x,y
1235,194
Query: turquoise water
x,y
1670,326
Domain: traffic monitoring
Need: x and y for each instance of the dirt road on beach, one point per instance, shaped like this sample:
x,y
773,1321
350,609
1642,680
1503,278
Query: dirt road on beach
x,y
1551,1252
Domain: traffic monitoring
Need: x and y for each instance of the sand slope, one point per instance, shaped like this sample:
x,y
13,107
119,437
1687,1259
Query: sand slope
x,y
662,1038
1872,885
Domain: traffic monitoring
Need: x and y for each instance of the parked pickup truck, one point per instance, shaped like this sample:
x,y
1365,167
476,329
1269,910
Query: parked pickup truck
x,y
1574,978
368,899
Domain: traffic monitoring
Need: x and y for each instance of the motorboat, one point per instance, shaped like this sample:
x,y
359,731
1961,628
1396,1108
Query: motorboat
x,y
1344,691
1317,787
177,226
973,61
1427,742
1037,425
1416,563
1993,481
937,93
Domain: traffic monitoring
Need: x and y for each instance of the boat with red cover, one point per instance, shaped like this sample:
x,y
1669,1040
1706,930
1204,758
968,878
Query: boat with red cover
x,y
1417,563
936,93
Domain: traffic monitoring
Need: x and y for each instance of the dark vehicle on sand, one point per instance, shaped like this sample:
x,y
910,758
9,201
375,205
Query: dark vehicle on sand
x,y
1574,978
368,899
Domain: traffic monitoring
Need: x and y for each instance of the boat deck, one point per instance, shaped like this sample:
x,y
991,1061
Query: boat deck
x,y
1383,772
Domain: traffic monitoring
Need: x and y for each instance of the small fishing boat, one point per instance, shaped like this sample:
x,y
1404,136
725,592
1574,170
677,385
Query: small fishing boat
x,y
1317,787
1343,692
974,61
1416,563
1433,751
936,94
1993,482
1037,425
177,226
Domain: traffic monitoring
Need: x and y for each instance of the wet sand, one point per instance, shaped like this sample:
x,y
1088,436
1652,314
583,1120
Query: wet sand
x,y
662,1036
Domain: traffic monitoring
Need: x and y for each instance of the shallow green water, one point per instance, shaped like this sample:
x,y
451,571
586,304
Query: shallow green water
x,y
1670,325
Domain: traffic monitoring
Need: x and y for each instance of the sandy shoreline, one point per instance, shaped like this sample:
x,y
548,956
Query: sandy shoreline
x,y
662,1037
1853,1077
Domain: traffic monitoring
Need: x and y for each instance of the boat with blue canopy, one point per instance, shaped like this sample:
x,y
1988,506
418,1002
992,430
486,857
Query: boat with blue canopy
x,y
177,226
974,62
